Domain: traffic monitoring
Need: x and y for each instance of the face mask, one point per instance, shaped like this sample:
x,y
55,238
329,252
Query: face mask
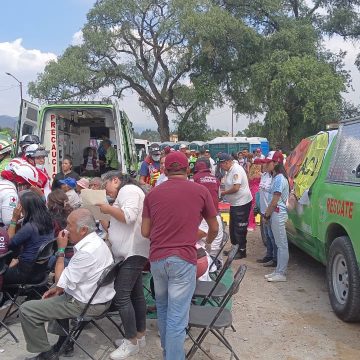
x,y
156,157
40,166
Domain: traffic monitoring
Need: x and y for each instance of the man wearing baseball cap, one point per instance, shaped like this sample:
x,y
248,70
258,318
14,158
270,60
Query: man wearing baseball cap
x,y
150,168
237,193
68,185
171,217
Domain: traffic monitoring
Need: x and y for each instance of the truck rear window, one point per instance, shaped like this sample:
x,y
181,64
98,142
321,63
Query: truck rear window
x,y
345,162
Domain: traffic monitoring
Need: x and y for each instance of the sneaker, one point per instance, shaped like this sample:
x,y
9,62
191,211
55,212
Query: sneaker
x,y
264,260
270,275
126,349
270,263
141,342
277,278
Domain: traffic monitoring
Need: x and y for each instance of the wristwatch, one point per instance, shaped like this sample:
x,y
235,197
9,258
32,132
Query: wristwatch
x,y
60,254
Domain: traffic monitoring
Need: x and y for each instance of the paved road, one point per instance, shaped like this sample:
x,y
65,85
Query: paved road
x,y
289,321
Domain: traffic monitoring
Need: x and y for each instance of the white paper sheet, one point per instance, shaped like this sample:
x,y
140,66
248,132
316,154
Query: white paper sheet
x,y
89,200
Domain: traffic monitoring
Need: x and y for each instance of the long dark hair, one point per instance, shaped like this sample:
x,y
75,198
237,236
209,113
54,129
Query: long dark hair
x,y
36,212
58,205
279,168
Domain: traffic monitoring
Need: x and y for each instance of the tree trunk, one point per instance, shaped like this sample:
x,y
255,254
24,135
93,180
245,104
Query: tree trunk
x,y
163,127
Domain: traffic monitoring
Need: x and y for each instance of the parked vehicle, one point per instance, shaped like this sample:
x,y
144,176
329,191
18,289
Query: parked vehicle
x,y
324,210
67,128
142,149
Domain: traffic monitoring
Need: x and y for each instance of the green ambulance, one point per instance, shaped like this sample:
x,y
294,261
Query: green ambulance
x,y
324,210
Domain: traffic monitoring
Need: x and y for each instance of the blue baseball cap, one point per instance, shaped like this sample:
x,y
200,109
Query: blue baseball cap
x,y
222,157
69,181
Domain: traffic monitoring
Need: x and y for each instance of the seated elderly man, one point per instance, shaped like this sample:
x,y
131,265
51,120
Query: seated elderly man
x,y
74,286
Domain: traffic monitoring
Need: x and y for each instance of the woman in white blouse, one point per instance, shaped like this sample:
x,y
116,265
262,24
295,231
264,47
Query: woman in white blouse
x,y
127,242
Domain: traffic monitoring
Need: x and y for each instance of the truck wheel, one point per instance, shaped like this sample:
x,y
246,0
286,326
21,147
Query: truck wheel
x,y
343,279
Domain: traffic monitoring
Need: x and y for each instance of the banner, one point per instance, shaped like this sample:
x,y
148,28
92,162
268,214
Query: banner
x,y
295,159
311,164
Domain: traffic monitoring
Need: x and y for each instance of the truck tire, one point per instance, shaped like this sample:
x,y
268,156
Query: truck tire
x,y
343,280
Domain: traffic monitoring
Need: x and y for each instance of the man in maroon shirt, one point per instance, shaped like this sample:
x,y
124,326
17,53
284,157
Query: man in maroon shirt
x,y
204,177
171,217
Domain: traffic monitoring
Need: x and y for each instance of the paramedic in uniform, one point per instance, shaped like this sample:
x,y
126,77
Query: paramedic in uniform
x,y
110,156
237,193
150,168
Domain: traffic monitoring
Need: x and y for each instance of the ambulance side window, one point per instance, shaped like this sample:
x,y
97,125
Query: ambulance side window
x,y
345,162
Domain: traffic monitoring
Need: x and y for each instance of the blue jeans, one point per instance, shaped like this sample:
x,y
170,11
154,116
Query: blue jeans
x,y
271,248
278,221
174,280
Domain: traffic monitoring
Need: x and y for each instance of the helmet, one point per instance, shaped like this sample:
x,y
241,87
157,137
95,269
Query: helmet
x,y
5,146
35,150
29,139
25,173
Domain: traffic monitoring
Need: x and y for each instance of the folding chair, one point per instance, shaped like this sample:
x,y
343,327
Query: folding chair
x,y
3,266
107,277
215,289
213,319
45,251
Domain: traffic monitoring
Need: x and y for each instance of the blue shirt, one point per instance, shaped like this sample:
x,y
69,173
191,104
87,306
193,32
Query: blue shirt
x,y
280,185
144,170
28,237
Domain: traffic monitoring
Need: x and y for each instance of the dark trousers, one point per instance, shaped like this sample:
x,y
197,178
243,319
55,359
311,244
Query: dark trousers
x,y
25,273
129,298
239,220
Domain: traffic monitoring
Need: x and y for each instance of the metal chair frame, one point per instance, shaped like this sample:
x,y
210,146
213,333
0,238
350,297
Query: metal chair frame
x,y
107,277
217,312
45,251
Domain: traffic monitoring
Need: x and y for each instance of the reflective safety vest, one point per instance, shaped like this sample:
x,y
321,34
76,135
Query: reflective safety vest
x,y
153,174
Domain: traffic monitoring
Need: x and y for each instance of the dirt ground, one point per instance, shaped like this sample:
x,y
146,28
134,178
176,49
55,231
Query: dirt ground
x,y
289,321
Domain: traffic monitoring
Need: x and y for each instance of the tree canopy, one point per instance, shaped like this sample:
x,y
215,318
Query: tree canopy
x,y
187,56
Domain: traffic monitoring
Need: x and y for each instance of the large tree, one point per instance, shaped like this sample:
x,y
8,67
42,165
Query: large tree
x,y
147,46
293,80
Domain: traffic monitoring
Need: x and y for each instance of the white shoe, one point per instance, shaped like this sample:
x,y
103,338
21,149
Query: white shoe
x,y
126,349
141,342
277,278
269,275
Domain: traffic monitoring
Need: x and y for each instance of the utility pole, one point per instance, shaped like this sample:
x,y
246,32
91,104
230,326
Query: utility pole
x,y
20,85
232,120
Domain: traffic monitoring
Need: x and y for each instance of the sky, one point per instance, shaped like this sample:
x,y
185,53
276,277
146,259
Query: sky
x,y
34,32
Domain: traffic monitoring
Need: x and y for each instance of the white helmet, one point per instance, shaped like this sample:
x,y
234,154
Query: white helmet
x,y
24,170
35,150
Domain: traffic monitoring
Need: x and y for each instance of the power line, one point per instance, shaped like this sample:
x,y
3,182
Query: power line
x,y
9,88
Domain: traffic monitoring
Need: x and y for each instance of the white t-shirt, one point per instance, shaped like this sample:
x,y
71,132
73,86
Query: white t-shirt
x,y
212,166
125,238
237,175
8,200
89,164
216,244
264,191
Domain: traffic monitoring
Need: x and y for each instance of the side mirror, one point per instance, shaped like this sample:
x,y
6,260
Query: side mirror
x,y
356,171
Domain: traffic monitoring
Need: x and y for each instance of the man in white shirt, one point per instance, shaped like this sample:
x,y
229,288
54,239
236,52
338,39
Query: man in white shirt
x,y
75,285
212,161
258,154
237,193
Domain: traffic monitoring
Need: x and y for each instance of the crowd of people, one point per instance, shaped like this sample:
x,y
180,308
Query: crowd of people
x,y
167,219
